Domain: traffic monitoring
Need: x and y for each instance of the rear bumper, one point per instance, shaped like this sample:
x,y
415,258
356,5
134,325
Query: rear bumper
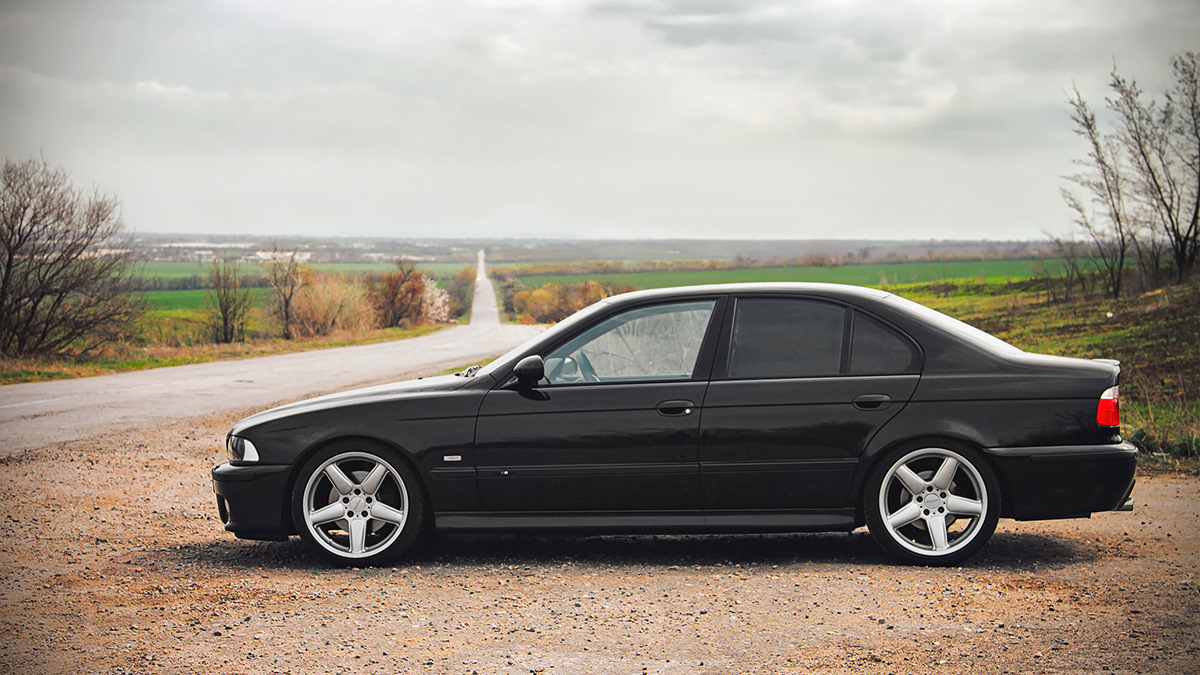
x,y
1074,481
252,500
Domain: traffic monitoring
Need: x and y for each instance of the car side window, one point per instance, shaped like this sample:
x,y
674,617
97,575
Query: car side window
x,y
661,342
876,349
786,337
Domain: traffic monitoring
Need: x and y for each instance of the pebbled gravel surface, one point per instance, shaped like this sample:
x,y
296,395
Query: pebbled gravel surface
x,y
113,560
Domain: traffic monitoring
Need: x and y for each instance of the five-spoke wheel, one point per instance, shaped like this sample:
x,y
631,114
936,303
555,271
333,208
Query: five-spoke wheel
x,y
357,504
932,505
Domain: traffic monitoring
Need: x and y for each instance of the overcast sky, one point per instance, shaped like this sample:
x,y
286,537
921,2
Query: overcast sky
x,y
896,119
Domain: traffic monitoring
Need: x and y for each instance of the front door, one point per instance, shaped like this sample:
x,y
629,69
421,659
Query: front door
x,y
614,425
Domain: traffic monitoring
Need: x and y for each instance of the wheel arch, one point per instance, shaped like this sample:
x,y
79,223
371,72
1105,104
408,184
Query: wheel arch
x,y
874,456
307,454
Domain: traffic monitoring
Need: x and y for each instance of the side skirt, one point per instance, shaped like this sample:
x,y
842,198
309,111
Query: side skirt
x,y
594,522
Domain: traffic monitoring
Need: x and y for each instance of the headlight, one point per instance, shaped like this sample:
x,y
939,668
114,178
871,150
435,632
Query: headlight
x,y
240,449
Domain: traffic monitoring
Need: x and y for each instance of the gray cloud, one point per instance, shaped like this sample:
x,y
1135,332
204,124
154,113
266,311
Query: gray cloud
x,y
901,119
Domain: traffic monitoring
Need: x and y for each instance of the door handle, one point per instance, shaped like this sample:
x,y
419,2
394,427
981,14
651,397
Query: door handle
x,y
872,401
675,408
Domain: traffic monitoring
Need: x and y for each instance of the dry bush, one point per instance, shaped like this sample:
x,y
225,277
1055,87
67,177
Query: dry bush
x,y
398,298
461,290
555,302
331,303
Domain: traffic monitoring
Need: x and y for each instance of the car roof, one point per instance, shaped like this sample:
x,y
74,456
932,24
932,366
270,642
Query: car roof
x,y
781,287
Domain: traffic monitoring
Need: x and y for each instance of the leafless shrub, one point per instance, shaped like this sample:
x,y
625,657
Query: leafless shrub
x,y
285,274
228,304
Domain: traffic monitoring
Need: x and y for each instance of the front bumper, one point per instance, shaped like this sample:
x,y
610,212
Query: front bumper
x,y
1074,481
253,501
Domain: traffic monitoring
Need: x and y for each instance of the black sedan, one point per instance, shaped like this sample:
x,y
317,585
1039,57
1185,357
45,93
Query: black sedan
x,y
738,408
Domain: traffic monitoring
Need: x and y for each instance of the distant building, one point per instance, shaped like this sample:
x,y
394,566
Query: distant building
x,y
282,256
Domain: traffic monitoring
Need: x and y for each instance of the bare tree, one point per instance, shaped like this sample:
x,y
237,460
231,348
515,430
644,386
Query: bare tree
x,y
1161,141
228,303
1109,224
285,275
1078,268
65,268
1145,175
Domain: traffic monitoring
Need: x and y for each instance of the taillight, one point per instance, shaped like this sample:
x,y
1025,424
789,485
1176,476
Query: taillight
x,y
1108,411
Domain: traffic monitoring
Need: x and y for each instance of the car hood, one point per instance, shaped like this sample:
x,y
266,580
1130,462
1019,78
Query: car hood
x,y
375,394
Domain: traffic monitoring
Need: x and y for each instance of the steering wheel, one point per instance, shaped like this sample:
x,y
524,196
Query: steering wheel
x,y
586,369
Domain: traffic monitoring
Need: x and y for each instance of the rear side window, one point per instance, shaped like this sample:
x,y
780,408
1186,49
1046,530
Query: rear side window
x,y
876,349
784,337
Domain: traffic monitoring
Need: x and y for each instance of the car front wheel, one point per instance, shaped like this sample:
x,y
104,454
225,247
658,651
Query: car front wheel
x,y
357,504
932,505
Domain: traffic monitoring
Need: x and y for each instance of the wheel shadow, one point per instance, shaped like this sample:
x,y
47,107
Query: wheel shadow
x,y
1005,552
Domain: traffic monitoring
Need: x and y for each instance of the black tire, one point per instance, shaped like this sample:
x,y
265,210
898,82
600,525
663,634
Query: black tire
x,y
358,504
932,504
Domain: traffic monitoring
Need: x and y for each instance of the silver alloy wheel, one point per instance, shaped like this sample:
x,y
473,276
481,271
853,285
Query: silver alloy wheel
x,y
933,502
355,505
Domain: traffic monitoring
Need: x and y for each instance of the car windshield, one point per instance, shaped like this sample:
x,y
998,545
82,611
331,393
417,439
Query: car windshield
x,y
532,346
949,324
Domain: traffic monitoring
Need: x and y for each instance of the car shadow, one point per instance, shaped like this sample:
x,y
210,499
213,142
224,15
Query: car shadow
x,y
1005,552
1026,551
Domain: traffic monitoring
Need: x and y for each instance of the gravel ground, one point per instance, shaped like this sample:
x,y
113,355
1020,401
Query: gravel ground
x,y
114,561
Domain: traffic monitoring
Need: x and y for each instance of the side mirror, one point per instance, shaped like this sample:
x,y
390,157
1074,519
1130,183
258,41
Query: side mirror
x,y
529,370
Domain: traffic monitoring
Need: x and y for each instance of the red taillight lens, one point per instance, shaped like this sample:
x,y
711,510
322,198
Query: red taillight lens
x,y
1108,411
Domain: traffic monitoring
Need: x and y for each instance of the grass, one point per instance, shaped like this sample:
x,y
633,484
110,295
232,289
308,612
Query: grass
x,y
1155,336
123,358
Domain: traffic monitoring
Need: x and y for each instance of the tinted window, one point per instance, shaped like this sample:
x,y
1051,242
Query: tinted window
x,y
648,343
786,338
876,349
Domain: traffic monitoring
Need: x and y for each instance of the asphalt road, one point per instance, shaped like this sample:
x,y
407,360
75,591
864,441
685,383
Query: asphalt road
x,y
37,414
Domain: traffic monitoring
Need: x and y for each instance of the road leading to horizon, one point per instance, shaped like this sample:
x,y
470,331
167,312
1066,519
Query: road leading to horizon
x,y
37,414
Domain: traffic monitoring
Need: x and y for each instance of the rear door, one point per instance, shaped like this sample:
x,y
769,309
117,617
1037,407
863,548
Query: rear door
x,y
799,387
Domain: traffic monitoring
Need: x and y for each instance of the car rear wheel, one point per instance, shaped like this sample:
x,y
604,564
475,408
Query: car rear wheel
x,y
932,505
357,504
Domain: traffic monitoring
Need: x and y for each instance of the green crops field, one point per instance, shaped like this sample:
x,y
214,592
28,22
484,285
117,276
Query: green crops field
x,y
193,300
180,270
861,275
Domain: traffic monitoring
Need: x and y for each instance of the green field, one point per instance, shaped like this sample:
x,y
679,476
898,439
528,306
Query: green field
x,y
193,300
862,275
180,270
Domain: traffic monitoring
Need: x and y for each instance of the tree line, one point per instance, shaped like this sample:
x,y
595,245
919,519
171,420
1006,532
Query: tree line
x,y
306,303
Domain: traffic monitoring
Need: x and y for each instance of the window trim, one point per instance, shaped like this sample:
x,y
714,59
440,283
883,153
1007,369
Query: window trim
x,y
915,366
720,367
704,358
